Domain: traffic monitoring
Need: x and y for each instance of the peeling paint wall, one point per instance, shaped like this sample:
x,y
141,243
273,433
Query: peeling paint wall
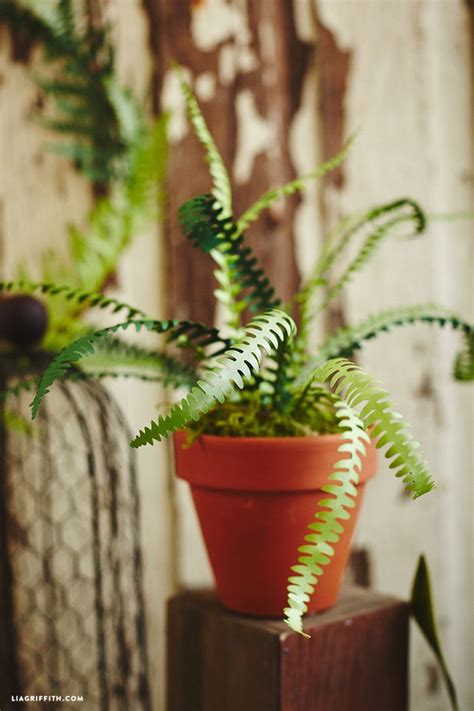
x,y
281,85
409,86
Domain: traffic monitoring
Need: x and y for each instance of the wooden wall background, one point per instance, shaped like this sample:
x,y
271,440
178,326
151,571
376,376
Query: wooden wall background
x,y
281,84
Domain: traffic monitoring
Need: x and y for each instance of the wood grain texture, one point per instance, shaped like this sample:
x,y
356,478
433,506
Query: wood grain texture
x,y
248,75
356,659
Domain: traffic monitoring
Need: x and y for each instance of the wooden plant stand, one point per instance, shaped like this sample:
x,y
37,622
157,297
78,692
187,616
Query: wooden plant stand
x,y
356,659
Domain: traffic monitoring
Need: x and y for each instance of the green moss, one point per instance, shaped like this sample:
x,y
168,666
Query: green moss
x,y
252,416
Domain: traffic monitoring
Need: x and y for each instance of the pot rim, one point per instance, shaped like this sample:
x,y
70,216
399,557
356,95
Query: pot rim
x,y
263,463
286,440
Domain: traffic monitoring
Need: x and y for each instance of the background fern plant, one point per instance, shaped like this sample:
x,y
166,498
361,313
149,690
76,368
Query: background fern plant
x,y
259,377
105,131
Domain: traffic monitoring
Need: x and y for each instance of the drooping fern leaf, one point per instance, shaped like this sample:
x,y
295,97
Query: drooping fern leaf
x,y
379,416
86,346
225,373
30,383
345,341
373,227
326,530
409,212
294,186
114,355
80,298
204,224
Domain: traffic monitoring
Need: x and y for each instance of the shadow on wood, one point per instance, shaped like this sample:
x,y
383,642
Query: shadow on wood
x,y
356,659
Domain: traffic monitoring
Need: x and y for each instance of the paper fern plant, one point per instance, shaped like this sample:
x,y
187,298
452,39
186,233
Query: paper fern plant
x,y
96,123
258,376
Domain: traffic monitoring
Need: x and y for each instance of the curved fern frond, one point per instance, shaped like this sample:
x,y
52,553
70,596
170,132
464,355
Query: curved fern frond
x,y
83,299
275,380
296,185
326,530
222,192
345,341
86,346
378,414
408,212
206,226
464,364
221,188
374,226
114,355
225,373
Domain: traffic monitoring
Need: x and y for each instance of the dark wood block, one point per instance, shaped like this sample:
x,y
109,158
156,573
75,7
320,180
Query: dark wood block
x,y
356,659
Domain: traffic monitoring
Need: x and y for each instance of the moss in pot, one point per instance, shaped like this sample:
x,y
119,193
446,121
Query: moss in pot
x,y
257,388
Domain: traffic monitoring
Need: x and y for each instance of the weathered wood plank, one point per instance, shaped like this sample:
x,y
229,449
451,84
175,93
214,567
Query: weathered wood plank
x,y
249,99
356,659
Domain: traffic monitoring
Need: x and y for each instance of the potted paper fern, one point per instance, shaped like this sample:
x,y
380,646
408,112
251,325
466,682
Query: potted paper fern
x,y
276,439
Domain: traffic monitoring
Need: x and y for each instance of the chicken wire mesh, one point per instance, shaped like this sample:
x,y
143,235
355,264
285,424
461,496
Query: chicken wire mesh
x,y
71,590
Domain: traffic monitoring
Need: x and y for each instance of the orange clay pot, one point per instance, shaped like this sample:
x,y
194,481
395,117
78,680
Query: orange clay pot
x,y
255,497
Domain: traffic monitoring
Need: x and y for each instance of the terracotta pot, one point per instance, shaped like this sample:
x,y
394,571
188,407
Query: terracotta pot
x,y
255,497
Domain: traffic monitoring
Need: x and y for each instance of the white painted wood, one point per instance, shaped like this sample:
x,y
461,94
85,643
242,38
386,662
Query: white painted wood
x,y
410,86
39,194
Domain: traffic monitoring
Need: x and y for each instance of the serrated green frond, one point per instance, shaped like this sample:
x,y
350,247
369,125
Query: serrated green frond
x,y
128,113
78,297
114,221
225,373
83,59
294,186
222,192
345,341
76,127
205,225
276,377
380,417
221,188
314,406
406,211
145,173
112,224
113,355
333,510
372,227
87,346
464,363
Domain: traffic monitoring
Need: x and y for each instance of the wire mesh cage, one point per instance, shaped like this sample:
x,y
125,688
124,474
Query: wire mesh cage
x,y
72,616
